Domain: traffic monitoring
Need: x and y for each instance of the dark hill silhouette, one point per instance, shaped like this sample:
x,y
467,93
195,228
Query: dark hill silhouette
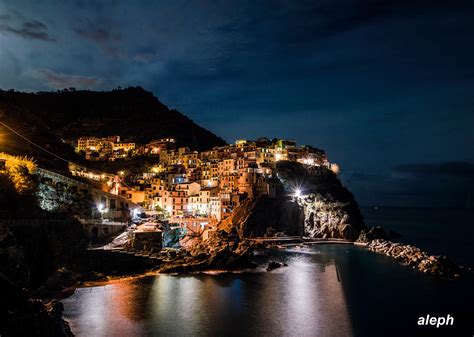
x,y
49,118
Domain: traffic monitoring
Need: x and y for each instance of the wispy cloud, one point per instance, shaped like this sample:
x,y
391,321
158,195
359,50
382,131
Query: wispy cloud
x,y
60,80
31,30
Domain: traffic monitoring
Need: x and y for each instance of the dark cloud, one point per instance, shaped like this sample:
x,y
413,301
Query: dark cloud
x,y
457,168
340,15
31,30
60,81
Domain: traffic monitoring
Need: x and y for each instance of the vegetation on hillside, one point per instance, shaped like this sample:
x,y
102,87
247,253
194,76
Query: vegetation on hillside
x,y
52,119
20,171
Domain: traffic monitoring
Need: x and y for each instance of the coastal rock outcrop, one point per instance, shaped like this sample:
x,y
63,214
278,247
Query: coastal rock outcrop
x,y
255,215
325,218
416,258
324,208
220,251
275,265
330,209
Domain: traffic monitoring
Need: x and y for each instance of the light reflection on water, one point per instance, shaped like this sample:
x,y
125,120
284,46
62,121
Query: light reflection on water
x,y
303,299
375,294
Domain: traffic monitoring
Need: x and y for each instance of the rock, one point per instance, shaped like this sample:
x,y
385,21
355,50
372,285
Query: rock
x,y
409,255
273,265
220,251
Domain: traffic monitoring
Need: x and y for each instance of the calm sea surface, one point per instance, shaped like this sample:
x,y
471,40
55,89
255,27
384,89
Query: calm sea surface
x,y
327,290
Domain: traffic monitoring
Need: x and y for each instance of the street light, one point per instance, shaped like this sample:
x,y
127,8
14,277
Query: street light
x,y
297,193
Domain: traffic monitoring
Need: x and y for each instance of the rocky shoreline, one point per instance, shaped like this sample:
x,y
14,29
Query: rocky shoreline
x,y
416,258
219,251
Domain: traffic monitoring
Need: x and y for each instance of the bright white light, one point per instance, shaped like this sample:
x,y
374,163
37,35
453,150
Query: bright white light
x,y
297,193
100,208
308,161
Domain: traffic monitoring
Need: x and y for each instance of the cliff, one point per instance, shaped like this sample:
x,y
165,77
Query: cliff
x,y
34,244
309,201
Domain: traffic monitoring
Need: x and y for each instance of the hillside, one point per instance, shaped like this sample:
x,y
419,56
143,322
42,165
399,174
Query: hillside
x,y
133,113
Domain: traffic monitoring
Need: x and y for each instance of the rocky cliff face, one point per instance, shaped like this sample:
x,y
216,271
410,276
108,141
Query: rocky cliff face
x,y
34,242
326,218
324,208
255,216
33,245
330,210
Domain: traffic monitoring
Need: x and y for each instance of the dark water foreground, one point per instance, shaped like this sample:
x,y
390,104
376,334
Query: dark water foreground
x,y
326,290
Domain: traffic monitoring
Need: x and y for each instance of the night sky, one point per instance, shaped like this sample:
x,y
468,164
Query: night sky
x,y
385,87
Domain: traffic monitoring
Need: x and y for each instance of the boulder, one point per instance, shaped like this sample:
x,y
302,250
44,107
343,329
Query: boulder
x,y
273,265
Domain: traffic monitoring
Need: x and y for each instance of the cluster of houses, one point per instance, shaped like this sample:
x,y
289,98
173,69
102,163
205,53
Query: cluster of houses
x,y
210,184
111,148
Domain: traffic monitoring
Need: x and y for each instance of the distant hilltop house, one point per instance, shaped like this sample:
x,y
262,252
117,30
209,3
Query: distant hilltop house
x,y
207,184
111,148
